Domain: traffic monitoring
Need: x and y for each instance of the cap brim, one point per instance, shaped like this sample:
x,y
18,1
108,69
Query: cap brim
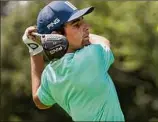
x,y
81,13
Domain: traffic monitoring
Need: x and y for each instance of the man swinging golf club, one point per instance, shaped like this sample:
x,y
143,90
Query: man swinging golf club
x,y
78,78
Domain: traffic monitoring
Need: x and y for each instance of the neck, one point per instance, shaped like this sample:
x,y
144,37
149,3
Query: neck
x,y
70,50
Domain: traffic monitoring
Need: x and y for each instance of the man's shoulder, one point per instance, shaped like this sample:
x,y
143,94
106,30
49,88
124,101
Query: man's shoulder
x,y
87,56
47,70
88,49
88,52
79,59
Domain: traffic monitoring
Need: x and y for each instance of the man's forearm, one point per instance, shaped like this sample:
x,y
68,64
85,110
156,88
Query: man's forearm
x,y
37,66
96,39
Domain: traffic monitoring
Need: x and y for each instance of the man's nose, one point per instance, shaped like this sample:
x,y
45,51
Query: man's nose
x,y
86,26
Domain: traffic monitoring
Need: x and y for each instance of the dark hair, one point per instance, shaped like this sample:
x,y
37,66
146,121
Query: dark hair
x,y
61,30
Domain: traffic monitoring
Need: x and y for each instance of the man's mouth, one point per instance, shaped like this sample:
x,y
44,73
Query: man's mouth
x,y
86,37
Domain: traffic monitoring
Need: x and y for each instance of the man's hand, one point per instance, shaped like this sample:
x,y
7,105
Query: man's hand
x,y
30,41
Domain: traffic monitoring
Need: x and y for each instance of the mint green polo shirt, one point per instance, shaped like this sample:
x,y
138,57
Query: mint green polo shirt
x,y
80,84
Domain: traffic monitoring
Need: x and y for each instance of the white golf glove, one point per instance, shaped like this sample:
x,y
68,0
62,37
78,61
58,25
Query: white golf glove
x,y
34,47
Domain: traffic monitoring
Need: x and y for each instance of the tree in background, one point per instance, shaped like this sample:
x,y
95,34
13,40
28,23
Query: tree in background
x,y
132,29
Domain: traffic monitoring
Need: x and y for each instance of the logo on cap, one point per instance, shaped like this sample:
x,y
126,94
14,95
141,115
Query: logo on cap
x,y
56,21
70,5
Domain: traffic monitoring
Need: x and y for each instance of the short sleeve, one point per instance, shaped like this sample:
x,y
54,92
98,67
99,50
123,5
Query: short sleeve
x,y
44,93
107,55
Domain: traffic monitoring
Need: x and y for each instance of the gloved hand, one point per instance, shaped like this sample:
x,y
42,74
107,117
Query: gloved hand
x,y
30,41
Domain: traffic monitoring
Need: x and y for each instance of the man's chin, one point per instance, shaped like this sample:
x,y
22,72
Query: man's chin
x,y
86,42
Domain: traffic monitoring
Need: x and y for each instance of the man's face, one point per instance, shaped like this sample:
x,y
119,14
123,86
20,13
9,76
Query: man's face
x,y
77,33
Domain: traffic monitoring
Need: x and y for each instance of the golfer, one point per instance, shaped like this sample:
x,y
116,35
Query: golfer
x,y
79,81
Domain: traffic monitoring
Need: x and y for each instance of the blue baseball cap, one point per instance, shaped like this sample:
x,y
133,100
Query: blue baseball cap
x,y
56,14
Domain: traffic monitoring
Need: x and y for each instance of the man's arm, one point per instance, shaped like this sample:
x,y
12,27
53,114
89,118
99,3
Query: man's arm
x,y
37,66
106,52
96,39
37,63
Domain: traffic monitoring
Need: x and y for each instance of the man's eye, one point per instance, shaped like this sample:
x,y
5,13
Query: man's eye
x,y
77,25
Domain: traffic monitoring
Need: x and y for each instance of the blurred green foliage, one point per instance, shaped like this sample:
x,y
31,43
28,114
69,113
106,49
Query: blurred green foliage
x,y
131,27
